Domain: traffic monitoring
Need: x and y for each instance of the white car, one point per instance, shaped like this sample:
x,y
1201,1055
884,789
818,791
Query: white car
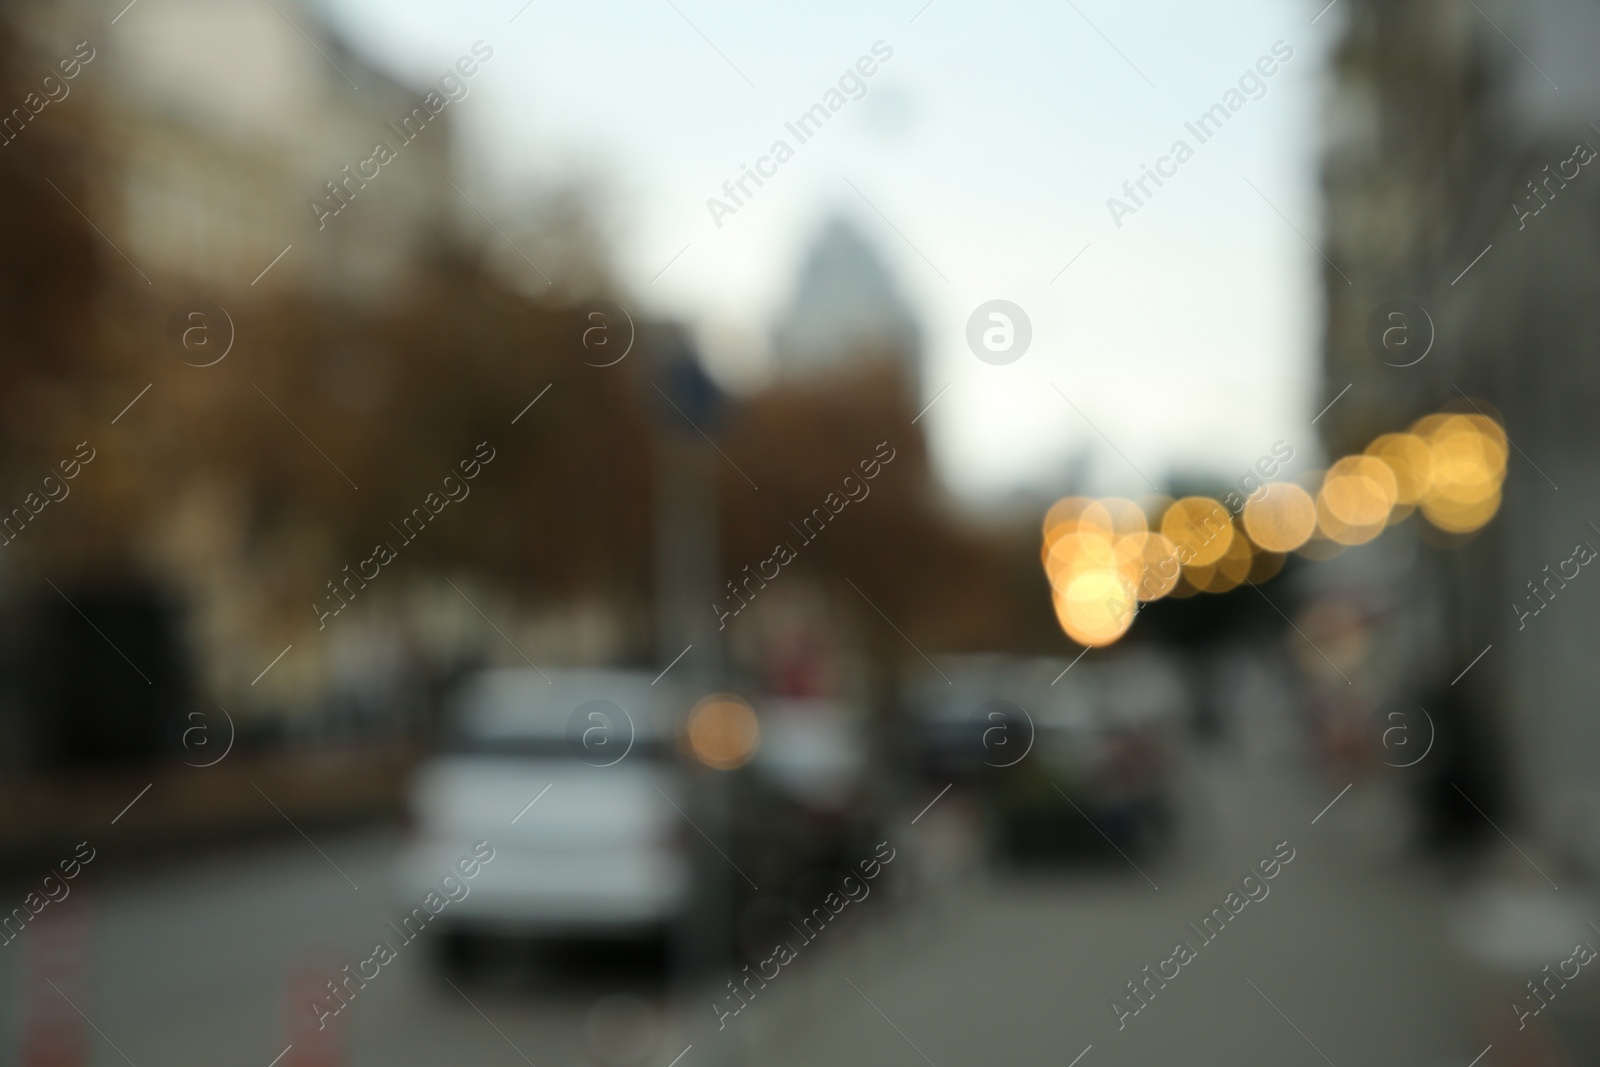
x,y
572,783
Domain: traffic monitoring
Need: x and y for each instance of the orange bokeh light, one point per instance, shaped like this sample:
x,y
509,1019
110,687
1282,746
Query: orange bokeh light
x,y
1282,518
1201,529
723,732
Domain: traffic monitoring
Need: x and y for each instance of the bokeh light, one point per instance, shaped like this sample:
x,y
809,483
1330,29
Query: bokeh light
x,y
1127,519
1161,569
1104,557
1282,518
1410,460
1201,529
1096,607
1461,518
1063,517
723,732
1230,569
1468,458
1359,492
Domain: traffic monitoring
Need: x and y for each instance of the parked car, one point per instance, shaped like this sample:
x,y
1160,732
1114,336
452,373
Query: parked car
x,y
1104,762
572,781
1064,758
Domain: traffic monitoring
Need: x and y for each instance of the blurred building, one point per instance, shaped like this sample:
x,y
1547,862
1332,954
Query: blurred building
x,y
194,137
216,122
846,312
1458,177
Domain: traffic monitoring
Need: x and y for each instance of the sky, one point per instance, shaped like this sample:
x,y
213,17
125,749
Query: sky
x,y
979,161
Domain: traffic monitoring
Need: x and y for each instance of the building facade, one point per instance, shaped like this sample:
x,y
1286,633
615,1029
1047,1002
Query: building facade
x,y
1457,178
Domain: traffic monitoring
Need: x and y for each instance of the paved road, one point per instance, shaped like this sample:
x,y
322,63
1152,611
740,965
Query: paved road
x,y
1348,943
1346,961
